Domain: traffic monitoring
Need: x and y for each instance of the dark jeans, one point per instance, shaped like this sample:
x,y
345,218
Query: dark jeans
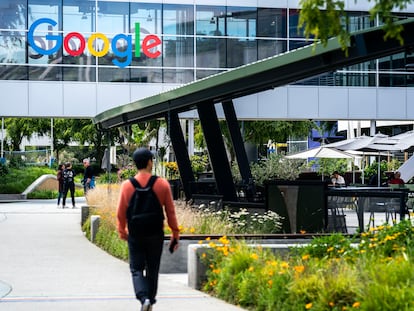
x,y
70,187
144,263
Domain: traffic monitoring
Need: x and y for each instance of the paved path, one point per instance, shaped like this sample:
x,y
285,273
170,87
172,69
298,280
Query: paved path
x,y
47,264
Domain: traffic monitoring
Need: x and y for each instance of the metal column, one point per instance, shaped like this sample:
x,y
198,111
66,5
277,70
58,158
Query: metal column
x,y
217,151
237,141
180,150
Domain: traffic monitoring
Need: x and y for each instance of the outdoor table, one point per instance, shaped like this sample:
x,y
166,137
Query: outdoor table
x,y
367,192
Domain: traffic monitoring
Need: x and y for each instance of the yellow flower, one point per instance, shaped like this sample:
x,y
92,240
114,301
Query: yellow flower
x,y
254,256
308,306
331,304
284,264
299,269
356,304
192,230
251,269
305,257
302,231
203,255
208,239
200,242
270,283
330,249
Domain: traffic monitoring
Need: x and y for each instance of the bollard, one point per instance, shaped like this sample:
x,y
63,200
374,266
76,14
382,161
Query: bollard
x,y
95,219
84,214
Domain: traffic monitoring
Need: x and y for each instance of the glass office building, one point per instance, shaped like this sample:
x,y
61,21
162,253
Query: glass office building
x,y
92,55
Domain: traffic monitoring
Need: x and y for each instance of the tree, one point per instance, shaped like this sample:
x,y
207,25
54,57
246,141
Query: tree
x,y
19,128
327,18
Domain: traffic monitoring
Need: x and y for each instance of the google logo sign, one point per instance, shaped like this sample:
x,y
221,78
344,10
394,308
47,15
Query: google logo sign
x,y
149,44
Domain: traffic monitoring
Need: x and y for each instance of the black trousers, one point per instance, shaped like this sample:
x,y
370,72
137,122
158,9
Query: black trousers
x,y
144,263
66,188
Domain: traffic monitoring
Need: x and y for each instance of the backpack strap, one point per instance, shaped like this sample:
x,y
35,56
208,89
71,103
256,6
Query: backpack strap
x,y
149,184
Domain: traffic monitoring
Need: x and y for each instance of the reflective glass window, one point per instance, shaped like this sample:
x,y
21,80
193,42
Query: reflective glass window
x,y
204,73
295,44
268,48
45,9
271,23
294,31
148,15
79,73
13,14
241,21
13,72
79,16
113,17
178,19
359,21
178,75
45,73
210,20
211,52
240,52
13,47
145,74
106,74
178,52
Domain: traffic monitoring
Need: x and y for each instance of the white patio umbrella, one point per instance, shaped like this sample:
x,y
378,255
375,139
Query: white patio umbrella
x,y
321,152
367,145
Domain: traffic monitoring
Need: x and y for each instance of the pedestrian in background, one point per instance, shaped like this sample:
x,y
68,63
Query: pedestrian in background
x,y
146,249
88,180
59,177
68,184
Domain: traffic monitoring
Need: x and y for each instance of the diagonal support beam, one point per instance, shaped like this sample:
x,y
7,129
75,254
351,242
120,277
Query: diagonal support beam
x,y
237,141
180,150
217,151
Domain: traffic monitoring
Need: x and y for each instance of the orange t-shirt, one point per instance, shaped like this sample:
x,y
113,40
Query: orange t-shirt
x,y
162,190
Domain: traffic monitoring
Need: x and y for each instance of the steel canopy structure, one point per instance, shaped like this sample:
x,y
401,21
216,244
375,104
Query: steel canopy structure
x,y
256,77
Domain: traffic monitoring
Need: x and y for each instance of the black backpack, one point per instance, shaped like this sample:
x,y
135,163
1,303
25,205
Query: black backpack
x,y
144,214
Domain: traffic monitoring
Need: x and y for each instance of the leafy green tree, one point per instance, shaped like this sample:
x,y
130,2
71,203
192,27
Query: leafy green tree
x,y
19,128
323,19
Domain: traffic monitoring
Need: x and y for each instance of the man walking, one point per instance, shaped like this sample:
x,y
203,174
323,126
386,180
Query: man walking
x,y
145,249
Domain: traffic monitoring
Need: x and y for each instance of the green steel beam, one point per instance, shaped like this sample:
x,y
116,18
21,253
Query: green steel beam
x,y
259,76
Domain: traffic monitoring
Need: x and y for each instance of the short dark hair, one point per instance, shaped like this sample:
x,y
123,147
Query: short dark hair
x,y
141,157
335,173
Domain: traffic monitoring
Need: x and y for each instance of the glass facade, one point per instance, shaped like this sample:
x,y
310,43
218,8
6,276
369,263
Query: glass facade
x,y
115,41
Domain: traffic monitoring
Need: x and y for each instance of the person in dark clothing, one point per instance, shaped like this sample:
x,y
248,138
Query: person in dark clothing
x,y
88,178
68,184
59,177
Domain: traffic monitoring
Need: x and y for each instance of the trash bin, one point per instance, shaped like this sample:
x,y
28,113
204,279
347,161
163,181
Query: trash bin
x,y
301,203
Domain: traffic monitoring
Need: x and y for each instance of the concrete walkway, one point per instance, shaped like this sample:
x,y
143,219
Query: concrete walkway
x,y
46,263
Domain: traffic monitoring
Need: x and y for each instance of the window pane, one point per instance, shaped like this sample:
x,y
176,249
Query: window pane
x,y
79,73
240,52
79,16
106,74
294,32
268,48
13,14
146,74
13,47
178,19
45,73
113,17
211,53
205,73
241,22
178,76
271,23
148,15
178,52
9,72
210,20
295,44
44,9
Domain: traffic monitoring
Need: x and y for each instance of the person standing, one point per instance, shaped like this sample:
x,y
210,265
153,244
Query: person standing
x,y
88,178
145,251
59,177
68,184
